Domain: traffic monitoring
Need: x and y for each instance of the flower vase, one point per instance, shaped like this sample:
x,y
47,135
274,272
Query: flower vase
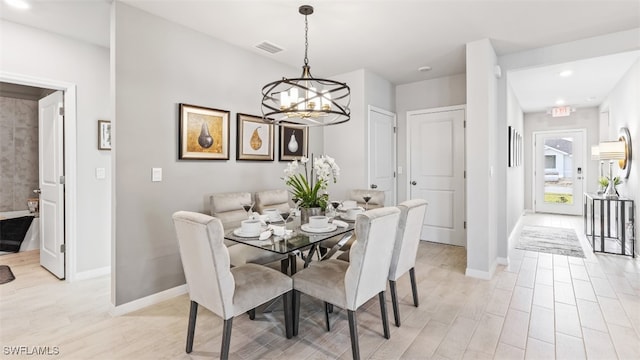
x,y
306,212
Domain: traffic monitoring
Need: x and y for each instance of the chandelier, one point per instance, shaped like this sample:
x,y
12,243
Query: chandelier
x,y
306,100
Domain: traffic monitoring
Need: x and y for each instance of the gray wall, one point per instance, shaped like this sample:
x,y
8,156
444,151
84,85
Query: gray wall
x,y
18,152
159,64
427,94
86,66
515,175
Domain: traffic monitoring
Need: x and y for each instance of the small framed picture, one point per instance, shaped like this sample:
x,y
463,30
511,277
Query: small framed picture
x,y
294,142
204,133
104,135
255,138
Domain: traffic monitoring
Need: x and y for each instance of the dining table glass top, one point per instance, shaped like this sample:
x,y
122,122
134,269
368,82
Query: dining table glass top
x,y
295,239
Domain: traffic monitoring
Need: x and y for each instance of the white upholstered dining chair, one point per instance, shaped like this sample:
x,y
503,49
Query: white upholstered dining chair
x,y
272,199
350,284
228,208
212,283
403,260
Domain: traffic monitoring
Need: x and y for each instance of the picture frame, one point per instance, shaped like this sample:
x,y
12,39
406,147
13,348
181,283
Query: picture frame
x,y
255,138
203,133
294,142
104,135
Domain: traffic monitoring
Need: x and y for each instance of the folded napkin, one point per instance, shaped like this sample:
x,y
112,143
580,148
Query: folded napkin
x,y
339,223
265,235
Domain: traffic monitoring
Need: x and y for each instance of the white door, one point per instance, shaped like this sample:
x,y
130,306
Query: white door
x,y
51,190
559,171
382,153
436,171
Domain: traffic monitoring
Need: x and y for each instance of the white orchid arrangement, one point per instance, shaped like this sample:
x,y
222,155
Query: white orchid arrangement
x,y
307,189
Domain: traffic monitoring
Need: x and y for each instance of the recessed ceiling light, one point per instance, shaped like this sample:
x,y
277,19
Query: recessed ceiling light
x,y
424,68
566,73
18,4
560,102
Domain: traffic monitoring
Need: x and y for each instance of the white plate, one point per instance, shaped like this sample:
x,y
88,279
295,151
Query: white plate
x,y
347,218
238,232
329,228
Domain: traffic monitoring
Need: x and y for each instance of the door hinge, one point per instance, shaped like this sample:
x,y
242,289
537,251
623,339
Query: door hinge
x,y
464,124
61,111
465,174
465,225
62,248
395,128
62,180
394,174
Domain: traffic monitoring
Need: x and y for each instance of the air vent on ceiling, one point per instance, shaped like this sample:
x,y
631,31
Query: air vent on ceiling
x,y
269,47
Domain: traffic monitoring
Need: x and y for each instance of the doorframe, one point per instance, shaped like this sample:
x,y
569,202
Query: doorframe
x,y
585,163
408,147
70,171
370,109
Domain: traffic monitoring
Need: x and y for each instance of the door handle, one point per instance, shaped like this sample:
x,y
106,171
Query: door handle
x,y
374,186
414,183
37,191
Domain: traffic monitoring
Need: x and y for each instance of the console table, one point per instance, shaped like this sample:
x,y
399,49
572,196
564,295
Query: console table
x,y
609,224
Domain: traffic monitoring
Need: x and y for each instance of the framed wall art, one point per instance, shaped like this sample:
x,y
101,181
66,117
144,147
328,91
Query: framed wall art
x,y
294,142
104,135
204,133
255,138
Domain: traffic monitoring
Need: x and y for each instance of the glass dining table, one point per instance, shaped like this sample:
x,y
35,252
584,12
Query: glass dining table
x,y
294,243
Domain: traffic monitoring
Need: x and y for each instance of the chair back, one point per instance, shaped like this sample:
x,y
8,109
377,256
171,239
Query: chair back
x,y
228,208
407,237
370,255
205,261
377,197
272,199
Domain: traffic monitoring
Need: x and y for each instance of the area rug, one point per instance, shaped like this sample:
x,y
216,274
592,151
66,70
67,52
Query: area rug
x,y
551,240
5,274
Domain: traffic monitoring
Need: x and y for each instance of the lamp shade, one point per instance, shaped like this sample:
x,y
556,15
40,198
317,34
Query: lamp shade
x,y
595,152
612,150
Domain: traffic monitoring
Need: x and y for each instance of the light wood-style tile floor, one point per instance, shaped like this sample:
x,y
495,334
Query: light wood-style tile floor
x,y
540,306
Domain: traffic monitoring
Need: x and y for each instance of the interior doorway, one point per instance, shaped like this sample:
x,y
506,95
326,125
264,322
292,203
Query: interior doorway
x,y
68,157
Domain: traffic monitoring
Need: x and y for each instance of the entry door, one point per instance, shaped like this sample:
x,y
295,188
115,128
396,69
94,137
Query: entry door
x,y
51,153
436,157
559,171
382,153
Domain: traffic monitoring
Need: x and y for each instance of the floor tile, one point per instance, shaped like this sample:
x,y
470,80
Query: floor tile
x,y
542,326
516,329
567,320
569,347
598,344
543,296
590,315
538,350
583,290
563,292
508,352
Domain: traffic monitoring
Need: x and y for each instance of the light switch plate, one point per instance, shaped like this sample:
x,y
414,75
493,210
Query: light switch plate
x,y
101,173
399,170
156,174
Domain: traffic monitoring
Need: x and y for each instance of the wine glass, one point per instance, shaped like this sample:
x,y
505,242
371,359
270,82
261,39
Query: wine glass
x,y
366,199
335,204
248,207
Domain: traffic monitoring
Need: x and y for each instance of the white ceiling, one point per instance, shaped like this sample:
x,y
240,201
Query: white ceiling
x,y
390,38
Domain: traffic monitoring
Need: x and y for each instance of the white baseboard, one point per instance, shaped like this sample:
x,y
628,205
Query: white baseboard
x,y
90,274
480,274
148,300
502,261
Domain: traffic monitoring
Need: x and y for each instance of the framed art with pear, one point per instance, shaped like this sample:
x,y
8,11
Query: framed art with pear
x,y
255,138
294,142
204,133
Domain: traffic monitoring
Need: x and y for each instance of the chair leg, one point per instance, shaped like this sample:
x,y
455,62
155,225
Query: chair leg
x,y
296,311
287,314
226,339
383,314
284,266
394,302
252,314
353,331
326,315
414,288
330,308
193,312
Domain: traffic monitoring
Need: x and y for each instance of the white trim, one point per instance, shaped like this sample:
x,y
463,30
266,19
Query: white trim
x,y
91,274
479,274
502,261
70,135
148,300
395,149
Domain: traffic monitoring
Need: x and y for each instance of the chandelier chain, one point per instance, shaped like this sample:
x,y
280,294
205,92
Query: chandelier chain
x,y
306,40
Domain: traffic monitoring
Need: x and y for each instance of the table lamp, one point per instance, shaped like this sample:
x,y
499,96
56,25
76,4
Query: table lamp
x,y
611,150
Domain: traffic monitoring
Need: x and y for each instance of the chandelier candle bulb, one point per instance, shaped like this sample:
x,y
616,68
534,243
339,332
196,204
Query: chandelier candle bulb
x,y
326,100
